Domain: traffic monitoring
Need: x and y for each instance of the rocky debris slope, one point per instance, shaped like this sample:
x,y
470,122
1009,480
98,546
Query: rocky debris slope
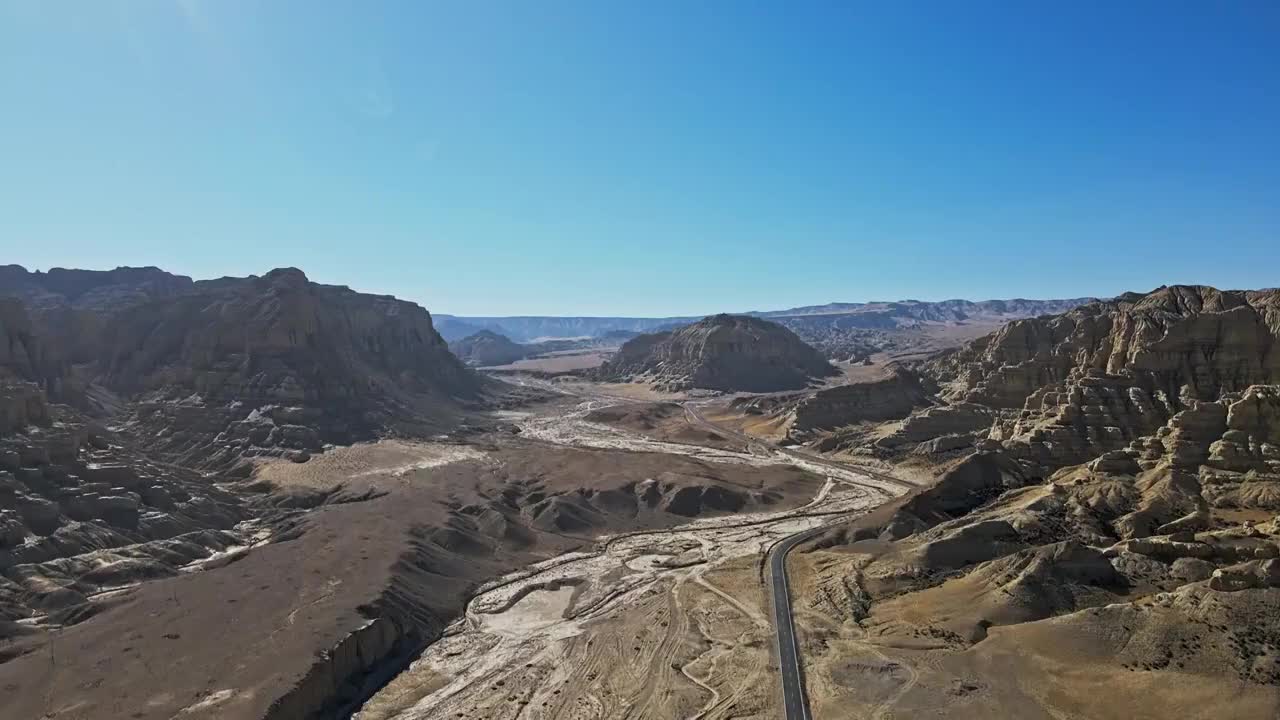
x,y
1126,451
487,348
730,353
80,514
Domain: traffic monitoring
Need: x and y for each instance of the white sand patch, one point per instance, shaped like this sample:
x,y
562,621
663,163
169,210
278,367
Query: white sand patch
x,y
209,702
532,613
385,458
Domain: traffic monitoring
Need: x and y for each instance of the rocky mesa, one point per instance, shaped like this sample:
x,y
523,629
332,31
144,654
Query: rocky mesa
x,y
216,371
730,353
487,348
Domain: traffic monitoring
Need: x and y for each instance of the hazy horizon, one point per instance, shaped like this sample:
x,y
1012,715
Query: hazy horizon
x,y
434,311
782,306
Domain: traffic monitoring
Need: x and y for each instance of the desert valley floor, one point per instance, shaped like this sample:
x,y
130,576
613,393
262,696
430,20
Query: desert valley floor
x,y
264,498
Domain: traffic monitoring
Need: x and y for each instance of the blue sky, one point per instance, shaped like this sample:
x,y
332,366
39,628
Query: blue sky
x,y
655,158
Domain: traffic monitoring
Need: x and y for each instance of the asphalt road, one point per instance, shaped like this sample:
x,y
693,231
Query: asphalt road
x,y
794,702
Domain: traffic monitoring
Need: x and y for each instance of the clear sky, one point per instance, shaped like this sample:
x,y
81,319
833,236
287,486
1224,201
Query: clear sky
x,y
611,157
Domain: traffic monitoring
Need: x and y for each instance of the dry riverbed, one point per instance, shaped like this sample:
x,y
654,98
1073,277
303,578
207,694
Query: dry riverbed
x,y
667,623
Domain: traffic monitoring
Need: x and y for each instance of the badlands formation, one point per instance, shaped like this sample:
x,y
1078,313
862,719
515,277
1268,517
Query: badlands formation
x,y
1101,539
264,497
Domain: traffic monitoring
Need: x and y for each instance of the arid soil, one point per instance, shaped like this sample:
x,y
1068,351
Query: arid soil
x,y
1161,656
669,623
231,641
558,362
664,421
397,535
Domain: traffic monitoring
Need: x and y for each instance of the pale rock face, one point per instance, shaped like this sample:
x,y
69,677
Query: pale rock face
x,y
1150,414
1087,415
962,420
1151,376
1156,377
1209,340
1253,434
1192,431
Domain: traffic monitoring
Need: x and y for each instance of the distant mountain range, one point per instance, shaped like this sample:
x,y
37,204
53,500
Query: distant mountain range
x,y
532,328
814,318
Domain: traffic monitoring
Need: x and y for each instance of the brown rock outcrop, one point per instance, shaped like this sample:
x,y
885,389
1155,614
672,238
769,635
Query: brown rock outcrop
x,y
888,398
722,352
24,355
70,309
278,363
487,348
102,291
